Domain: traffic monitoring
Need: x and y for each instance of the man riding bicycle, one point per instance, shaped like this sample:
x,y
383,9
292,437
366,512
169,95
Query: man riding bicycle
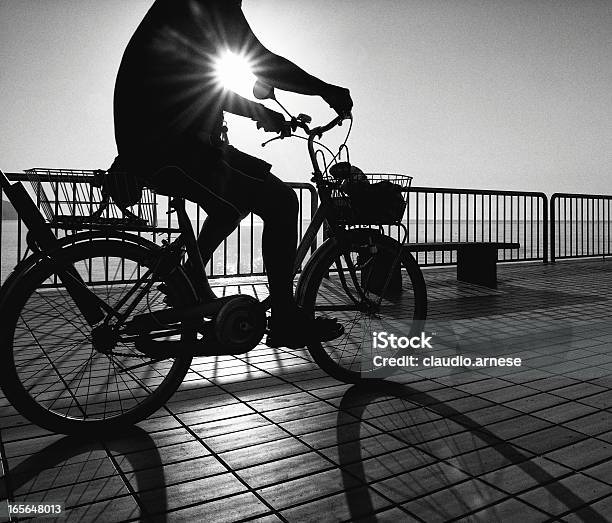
x,y
168,125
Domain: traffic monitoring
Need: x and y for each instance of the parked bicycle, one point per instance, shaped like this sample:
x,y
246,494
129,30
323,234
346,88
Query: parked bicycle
x,y
90,343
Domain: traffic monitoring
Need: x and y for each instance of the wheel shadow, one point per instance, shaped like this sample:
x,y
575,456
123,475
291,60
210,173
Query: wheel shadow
x,y
62,451
359,500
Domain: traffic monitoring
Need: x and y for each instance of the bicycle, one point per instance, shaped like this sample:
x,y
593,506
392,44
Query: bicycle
x,y
85,355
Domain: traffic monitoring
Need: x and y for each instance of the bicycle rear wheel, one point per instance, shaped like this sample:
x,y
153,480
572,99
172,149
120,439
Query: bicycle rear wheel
x,y
49,368
347,282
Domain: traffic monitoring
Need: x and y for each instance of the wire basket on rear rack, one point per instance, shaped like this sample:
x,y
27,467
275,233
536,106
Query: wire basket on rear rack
x,y
369,198
80,199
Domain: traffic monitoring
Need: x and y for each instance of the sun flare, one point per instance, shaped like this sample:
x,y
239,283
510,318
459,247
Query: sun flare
x,y
234,72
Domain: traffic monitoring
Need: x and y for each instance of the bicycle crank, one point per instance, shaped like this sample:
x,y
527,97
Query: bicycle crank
x,y
236,329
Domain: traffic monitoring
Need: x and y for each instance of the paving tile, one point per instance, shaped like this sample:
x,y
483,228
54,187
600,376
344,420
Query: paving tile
x,y
390,464
455,444
392,515
564,412
339,435
211,429
547,440
329,420
163,476
579,390
299,412
285,469
567,494
362,449
598,511
507,394
161,456
439,428
300,491
264,452
551,383
488,458
603,400
282,401
80,493
214,414
484,416
154,440
118,509
419,482
519,477
347,506
245,438
582,454
220,511
63,475
454,502
509,510
593,424
535,402
515,427
190,493
601,472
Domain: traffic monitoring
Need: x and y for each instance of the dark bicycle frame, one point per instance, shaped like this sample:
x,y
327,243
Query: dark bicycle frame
x,y
41,239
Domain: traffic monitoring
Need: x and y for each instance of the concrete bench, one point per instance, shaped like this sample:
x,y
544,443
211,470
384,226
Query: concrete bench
x,y
476,261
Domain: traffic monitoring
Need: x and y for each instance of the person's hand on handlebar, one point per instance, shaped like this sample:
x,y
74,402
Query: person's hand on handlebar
x,y
339,99
273,122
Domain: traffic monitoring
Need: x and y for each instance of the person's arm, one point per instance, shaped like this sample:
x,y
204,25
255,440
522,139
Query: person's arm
x,y
236,104
275,70
271,68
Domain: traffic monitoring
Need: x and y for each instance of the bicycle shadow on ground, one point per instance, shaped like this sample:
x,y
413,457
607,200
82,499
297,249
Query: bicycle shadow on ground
x,y
351,459
147,472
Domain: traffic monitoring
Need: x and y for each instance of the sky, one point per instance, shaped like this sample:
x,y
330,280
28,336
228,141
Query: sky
x,y
494,94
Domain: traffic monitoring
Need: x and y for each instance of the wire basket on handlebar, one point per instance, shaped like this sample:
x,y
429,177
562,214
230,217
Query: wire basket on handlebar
x,y
360,198
80,199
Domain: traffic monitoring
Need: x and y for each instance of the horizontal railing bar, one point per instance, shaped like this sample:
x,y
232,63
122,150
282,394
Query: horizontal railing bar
x,y
449,190
558,195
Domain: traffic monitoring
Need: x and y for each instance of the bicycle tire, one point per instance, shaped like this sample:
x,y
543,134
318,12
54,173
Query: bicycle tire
x,y
26,382
320,291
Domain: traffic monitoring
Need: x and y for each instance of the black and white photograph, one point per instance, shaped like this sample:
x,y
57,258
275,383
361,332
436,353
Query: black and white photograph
x,y
306,261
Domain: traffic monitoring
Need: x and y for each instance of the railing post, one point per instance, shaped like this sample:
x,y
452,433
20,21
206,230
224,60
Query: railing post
x,y
314,206
545,226
553,218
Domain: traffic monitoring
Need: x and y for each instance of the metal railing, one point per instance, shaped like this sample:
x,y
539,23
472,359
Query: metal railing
x,y
436,214
238,255
580,225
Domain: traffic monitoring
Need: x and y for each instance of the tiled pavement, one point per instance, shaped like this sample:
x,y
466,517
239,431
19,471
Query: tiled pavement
x,y
268,436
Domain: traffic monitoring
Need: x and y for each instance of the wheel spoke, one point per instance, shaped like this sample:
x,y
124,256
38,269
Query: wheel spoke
x,y
51,352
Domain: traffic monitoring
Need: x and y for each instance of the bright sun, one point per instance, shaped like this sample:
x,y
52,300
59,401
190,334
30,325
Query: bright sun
x,y
234,72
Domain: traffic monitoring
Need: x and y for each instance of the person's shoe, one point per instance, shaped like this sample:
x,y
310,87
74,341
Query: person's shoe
x,y
209,295
300,331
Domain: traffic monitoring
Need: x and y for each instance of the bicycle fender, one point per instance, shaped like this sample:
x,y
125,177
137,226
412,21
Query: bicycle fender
x,y
324,249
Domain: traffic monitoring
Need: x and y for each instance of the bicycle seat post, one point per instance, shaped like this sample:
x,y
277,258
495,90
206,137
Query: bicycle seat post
x,y
198,274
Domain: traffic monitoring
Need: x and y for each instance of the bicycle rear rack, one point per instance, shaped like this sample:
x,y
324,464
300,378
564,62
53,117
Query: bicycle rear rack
x,y
40,238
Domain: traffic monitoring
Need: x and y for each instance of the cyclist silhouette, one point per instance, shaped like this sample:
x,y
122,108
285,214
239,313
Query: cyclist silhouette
x,y
168,112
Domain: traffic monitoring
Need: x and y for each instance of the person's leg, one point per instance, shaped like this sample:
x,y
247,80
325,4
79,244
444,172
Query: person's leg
x,y
222,215
277,205
227,194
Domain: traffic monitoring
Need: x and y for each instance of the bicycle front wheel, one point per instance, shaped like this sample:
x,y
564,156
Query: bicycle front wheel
x,y
50,370
370,285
